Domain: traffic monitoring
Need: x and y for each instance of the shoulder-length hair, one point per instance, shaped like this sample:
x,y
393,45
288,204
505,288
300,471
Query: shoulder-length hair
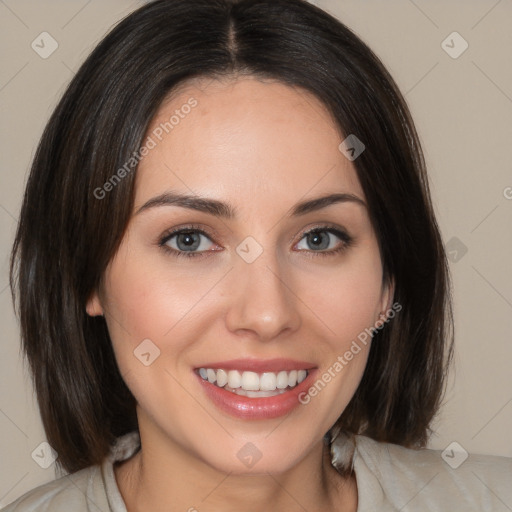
x,y
68,231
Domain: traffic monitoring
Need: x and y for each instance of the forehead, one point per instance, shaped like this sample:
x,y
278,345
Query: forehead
x,y
242,138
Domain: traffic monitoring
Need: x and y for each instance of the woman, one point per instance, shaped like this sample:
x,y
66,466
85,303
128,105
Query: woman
x,y
232,288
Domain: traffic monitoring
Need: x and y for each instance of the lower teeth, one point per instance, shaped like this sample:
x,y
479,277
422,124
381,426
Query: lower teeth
x,y
256,394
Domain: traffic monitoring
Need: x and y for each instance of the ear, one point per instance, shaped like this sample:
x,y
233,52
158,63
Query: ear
x,y
388,292
93,306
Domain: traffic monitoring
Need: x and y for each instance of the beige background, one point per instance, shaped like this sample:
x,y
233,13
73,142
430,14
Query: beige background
x,y
463,111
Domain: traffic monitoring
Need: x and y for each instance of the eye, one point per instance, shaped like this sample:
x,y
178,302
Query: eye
x,y
192,241
321,240
188,242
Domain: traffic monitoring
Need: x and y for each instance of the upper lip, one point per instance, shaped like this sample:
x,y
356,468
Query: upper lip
x,y
260,365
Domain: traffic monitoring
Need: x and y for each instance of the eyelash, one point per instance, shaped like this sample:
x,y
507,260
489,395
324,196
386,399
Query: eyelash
x,y
346,241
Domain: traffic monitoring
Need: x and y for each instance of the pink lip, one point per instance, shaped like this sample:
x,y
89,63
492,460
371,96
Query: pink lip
x,y
256,408
259,365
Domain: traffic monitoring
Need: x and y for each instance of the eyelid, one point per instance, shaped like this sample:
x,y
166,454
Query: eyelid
x,y
321,226
187,227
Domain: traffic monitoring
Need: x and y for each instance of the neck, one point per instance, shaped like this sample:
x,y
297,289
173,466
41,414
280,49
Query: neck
x,y
173,479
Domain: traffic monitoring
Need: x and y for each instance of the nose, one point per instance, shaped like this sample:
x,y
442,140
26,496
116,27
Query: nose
x,y
262,298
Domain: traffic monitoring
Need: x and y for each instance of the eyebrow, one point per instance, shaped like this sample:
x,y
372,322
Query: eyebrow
x,y
227,211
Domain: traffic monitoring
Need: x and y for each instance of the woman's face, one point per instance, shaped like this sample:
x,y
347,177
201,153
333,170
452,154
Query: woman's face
x,y
250,293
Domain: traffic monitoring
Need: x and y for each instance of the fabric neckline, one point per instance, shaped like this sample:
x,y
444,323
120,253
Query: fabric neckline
x,y
341,447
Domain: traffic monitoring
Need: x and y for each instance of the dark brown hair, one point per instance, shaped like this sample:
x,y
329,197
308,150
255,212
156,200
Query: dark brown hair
x,y
67,235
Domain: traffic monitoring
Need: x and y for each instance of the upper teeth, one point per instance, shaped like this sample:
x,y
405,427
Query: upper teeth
x,y
251,381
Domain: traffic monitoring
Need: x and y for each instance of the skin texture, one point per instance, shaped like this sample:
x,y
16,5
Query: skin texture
x,y
262,146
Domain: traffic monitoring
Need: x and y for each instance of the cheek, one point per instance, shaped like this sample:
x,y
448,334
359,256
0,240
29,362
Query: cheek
x,y
347,298
150,316
347,305
151,299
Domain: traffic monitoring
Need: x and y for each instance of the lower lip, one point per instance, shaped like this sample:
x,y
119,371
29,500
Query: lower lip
x,y
256,408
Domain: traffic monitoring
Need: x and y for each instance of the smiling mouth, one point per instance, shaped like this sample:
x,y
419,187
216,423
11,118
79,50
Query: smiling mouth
x,y
252,384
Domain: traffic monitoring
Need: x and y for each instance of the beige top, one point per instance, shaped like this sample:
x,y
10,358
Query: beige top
x,y
389,477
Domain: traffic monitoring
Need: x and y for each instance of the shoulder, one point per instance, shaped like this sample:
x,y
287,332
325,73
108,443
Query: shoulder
x,y
425,479
80,491
91,489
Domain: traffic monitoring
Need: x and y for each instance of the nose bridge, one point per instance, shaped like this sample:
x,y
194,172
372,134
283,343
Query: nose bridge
x,y
262,298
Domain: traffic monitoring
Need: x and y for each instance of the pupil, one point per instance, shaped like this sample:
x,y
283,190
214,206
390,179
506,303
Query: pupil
x,y
316,240
188,240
